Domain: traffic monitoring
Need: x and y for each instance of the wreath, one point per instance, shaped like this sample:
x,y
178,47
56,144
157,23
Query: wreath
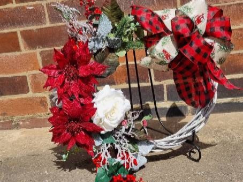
x,y
191,41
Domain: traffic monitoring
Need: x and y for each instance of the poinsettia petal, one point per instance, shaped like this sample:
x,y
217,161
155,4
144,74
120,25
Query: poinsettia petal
x,y
68,50
83,54
60,80
84,139
60,59
50,82
71,143
65,137
72,108
93,68
75,89
91,127
50,70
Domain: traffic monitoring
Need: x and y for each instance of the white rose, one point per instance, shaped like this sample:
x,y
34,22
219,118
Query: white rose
x,y
111,107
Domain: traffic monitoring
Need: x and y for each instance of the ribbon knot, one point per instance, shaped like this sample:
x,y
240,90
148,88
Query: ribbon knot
x,y
191,43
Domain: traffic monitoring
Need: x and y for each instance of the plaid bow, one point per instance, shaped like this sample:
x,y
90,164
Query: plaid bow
x,y
193,68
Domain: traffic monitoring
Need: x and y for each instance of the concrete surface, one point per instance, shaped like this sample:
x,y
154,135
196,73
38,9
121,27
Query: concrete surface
x,y
28,156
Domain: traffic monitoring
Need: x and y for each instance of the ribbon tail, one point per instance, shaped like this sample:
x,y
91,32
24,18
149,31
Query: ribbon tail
x,y
217,75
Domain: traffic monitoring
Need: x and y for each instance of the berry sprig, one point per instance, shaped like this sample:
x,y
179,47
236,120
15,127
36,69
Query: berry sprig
x,y
91,11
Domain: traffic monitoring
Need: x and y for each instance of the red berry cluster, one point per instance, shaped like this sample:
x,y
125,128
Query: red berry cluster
x,y
128,178
90,9
99,161
128,158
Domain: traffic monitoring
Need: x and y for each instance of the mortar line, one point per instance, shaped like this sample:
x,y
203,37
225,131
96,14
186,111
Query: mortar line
x,y
235,27
20,74
39,59
29,85
20,41
25,4
20,96
46,14
32,27
237,52
29,51
165,93
229,3
178,3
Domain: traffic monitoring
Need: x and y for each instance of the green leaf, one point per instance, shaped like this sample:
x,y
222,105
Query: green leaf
x,y
108,138
112,170
121,53
113,11
134,45
147,118
133,147
122,171
102,176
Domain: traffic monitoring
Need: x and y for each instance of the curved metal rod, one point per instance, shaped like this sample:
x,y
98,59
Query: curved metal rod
x,y
195,149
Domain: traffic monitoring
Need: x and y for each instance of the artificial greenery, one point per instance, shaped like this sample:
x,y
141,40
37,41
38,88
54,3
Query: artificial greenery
x,y
113,11
114,168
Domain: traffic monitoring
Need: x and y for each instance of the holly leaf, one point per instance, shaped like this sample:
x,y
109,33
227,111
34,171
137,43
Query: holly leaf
x,y
122,171
102,176
108,138
113,167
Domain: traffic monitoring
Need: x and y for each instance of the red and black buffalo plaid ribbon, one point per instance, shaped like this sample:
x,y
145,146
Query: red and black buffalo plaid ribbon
x,y
193,69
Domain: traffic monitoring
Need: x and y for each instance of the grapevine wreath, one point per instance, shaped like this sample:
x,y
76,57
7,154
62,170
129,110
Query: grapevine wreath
x,y
191,41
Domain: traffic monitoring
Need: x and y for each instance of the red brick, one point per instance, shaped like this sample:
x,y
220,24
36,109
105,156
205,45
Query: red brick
x,y
155,5
9,42
37,82
162,76
23,106
47,57
44,37
30,16
13,85
140,53
34,122
234,11
27,1
120,76
233,65
12,64
124,4
211,2
237,39
6,125
5,2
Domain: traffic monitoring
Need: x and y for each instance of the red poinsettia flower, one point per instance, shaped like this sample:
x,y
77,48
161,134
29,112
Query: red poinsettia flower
x,y
74,128
74,73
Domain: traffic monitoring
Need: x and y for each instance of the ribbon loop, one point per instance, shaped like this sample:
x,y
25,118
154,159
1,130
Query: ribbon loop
x,y
200,36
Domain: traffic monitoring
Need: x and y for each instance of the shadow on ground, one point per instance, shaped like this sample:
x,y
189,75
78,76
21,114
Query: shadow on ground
x,y
76,160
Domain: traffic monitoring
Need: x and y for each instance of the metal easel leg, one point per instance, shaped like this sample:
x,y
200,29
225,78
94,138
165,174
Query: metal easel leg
x,y
194,150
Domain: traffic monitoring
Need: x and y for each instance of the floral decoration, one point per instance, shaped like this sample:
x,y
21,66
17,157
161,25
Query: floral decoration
x,y
100,120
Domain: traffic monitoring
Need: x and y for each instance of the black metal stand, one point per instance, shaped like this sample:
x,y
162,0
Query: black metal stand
x,y
195,148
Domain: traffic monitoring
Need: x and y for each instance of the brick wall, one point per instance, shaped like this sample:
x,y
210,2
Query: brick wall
x,y
29,29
